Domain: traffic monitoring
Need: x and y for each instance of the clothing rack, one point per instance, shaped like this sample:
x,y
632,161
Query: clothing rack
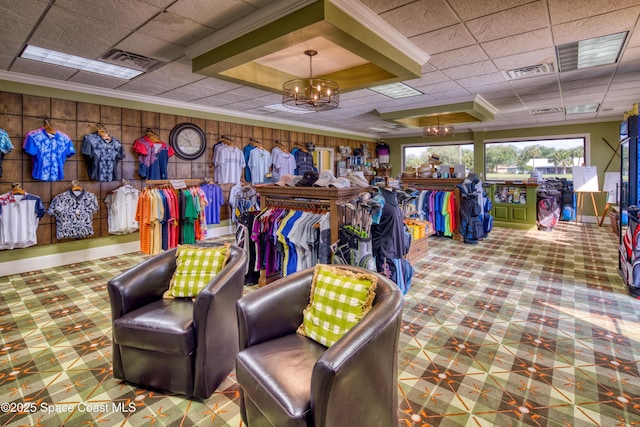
x,y
325,195
307,204
169,181
439,184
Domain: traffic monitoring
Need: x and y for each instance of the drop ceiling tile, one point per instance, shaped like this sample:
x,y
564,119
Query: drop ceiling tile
x,y
631,54
596,26
525,59
481,80
454,94
532,40
469,9
380,6
439,87
98,80
161,80
458,57
551,87
160,3
217,100
420,17
444,39
529,17
541,80
150,47
216,14
200,89
571,10
628,67
129,13
470,70
76,34
5,61
175,29
16,22
27,66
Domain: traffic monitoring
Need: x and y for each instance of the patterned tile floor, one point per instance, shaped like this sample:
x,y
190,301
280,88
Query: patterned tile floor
x,y
527,328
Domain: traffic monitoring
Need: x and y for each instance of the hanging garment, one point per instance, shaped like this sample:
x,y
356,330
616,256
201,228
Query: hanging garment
x,y
5,146
121,210
73,211
228,162
153,157
284,163
19,218
102,156
259,164
48,153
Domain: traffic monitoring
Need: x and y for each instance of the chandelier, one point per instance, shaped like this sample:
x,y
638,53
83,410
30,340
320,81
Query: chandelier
x,y
310,94
439,130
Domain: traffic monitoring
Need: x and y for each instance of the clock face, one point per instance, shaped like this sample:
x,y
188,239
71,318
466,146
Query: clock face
x,y
188,141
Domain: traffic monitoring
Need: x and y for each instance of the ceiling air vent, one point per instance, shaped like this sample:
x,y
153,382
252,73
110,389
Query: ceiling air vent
x,y
132,60
530,71
547,111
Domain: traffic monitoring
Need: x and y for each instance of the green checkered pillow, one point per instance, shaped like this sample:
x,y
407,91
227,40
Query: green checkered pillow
x,y
195,267
339,299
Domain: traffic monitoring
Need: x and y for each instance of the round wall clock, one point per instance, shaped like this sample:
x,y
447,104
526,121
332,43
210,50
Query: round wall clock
x,y
188,141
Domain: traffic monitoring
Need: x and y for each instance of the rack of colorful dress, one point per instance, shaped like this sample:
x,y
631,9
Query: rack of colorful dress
x,y
170,213
153,156
73,211
20,213
121,205
102,153
290,237
438,203
318,200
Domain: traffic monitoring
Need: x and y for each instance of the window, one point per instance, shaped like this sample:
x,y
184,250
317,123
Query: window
x,y
455,154
519,159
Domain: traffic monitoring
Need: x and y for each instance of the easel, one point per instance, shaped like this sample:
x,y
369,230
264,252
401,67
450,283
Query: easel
x,y
580,205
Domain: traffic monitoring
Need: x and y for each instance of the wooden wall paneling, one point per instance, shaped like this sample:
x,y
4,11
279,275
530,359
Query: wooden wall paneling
x,y
110,115
169,121
131,117
236,133
150,120
36,106
224,128
182,168
11,103
63,109
89,113
13,125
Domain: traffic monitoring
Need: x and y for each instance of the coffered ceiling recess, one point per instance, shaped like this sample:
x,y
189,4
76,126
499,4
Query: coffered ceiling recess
x,y
472,110
356,48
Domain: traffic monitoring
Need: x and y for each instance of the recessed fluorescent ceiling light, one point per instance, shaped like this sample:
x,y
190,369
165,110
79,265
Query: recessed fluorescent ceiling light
x,y
280,107
396,90
591,52
585,108
58,58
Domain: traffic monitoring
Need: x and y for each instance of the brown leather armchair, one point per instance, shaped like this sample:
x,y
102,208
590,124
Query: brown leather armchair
x,y
179,345
287,379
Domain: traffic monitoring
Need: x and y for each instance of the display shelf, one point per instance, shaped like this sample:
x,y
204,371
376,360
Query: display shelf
x,y
514,204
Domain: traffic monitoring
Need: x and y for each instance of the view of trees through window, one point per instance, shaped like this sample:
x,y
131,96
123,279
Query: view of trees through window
x,y
460,154
551,158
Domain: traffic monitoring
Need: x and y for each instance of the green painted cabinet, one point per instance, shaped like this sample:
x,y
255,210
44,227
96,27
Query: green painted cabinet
x,y
514,205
